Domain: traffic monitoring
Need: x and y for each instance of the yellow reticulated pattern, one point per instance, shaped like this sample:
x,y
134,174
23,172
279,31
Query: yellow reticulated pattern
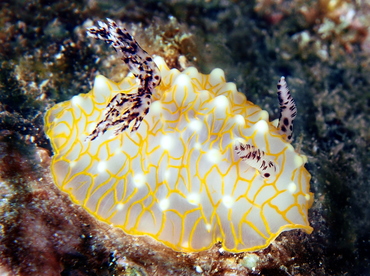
x,y
178,178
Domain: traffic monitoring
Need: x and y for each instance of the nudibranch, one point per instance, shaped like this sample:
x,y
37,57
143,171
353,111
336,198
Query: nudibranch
x,y
182,157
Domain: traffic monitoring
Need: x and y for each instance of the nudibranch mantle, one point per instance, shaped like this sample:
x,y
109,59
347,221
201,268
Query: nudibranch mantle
x,y
179,178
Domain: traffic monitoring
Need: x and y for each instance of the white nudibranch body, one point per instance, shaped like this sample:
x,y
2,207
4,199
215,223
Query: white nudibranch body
x,y
193,172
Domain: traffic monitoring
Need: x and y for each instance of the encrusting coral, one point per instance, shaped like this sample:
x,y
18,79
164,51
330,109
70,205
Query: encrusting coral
x,y
201,165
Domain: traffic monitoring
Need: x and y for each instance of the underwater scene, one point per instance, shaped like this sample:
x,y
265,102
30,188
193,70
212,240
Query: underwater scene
x,y
194,137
